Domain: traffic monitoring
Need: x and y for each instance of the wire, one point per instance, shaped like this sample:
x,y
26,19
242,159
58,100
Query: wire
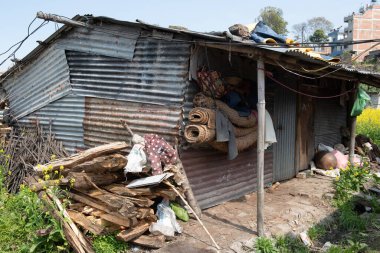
x,y
305,94
20,43
308,77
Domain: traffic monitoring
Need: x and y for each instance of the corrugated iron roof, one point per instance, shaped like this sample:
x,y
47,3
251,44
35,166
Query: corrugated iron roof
x,y
205,37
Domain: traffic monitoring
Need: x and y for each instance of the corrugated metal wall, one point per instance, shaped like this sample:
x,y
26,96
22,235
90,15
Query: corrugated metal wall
x,y
42,82
108,40
329,117
66,118
215,179
102,120
156,75
284,119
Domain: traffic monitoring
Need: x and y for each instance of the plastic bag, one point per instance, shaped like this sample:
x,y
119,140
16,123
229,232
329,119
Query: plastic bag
x,y
136,159
361,101
167,223
179,211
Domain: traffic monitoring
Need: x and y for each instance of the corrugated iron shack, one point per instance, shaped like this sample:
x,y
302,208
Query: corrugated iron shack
x,y
82,81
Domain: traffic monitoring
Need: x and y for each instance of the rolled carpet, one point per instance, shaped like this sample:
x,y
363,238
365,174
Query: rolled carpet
x,y
202,116
199,134
200,100
242,143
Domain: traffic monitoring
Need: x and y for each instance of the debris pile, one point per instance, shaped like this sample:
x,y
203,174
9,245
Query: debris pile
x,y
103,200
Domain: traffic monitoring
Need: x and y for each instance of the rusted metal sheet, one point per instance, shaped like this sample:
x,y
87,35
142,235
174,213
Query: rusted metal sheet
x,y
65,117
215,179
330,116
102,120
156,75
40,83
108,40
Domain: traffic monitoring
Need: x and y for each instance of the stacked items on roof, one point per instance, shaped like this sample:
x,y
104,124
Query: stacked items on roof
x,y
224,114
261,33
108,192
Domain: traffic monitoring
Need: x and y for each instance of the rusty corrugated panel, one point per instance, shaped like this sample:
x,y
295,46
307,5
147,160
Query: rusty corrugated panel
x,y
65,116
156,75
214,179
102,120
43,81
108,40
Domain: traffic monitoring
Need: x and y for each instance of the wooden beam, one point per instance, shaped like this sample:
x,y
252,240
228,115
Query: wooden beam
x,y
260,145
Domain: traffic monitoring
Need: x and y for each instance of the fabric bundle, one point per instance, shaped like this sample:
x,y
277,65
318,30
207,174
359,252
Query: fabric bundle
x,y
242,143
199,133
200,100
202,116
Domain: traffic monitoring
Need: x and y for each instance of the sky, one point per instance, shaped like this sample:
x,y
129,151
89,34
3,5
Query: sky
x,y
198,15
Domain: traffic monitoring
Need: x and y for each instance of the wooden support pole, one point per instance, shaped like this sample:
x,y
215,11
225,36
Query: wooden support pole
x,y
352,139
260,145
353,130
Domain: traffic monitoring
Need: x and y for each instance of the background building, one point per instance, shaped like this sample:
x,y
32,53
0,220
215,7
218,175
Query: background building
x,y
364,25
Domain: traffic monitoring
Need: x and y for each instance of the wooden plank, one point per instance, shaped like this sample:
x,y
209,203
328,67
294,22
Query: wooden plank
x,y
92,202
133,233
85,156
103,164
118,219
81,179
85,223
121,189
153,242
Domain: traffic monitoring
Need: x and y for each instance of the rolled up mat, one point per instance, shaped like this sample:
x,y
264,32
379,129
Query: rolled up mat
x,y
239,131
242,143
199,134
202,116
200,100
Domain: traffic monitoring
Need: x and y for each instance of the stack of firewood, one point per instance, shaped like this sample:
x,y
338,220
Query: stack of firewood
x,y
99,200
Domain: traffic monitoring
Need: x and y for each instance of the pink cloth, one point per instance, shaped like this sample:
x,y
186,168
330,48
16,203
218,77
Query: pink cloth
x,y
341,159
159,151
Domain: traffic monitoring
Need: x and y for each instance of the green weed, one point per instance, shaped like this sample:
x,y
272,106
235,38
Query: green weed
x,y
109,244
265,245
287,244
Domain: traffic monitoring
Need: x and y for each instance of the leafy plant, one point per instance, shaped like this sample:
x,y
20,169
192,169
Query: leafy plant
x,y
287,244
368,124
265,245
316,232
109,244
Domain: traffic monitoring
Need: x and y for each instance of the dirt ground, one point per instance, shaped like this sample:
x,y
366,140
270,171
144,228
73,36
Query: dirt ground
x,y
293,207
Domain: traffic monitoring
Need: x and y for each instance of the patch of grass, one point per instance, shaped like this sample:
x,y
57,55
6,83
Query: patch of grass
x,y
287,244
316,232
352,247
22,215
265,245
109,244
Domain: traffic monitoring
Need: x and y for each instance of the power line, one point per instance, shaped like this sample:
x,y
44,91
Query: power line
x,y
21,42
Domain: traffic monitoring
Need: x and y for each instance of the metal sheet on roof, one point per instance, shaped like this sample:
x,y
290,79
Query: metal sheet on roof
x,y
215,179
156,75
102,120
107,40
65,116
40,83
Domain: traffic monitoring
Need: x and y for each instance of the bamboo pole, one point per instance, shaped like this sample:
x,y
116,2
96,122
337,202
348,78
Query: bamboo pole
x,y
260,145
195,214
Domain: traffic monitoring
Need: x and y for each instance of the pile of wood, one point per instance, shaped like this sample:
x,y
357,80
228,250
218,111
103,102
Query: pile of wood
x,y
100,202
24,148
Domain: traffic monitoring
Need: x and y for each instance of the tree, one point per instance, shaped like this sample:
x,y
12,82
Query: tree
x,y
320,23
318,36
272,16
307,29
